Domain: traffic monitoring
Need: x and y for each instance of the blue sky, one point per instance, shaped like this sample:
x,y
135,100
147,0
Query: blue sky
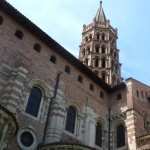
x,y
63,21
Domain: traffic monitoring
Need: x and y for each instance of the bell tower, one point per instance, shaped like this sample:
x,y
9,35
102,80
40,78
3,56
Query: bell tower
x,y
98,49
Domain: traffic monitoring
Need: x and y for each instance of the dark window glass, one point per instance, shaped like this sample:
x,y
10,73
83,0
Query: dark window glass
x,y
19,34
97,36
26,139
80,79
88,50
53,59
101,94
90,37
67,69
86,39
103,63
96,62
115,54
86,61
119,96
71,119
1,20
91,87
37,47
97,49
98,138
120,136
103,76
103,49
34,101
103,36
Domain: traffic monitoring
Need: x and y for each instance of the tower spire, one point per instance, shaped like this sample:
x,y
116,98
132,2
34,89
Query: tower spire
x,y
101,2
100,15
98,49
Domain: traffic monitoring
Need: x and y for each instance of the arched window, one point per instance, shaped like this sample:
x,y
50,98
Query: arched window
x,y
37,47
34,101
67,69
97,36
80,78
96,62
103,76
91,87
119,96
103,49
97,48
53,59
103,36
86,39
87,61
115,55
120,136
98,137
90,36
19,34
71,119
88,50
101,94
103,63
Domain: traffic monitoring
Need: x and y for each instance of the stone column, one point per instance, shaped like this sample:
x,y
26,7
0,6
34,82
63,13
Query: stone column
x,y
56,123
89,127
81,126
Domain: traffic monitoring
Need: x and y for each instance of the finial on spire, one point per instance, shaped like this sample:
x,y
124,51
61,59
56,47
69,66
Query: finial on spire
x,y
100,15
101,2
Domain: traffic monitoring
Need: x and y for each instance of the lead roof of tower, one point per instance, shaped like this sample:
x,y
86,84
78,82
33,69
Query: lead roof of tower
x,y
100,15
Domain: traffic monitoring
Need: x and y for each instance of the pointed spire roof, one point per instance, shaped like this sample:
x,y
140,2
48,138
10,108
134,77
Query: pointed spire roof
x,y
100,15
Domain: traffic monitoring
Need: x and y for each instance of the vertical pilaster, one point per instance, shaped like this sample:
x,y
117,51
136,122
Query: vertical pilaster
x,y
131,130
89,127
56,119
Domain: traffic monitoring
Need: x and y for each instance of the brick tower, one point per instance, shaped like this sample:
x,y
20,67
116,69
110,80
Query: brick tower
x,y
98,49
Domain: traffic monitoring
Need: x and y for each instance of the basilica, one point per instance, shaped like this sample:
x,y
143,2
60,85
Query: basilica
x,y
50,100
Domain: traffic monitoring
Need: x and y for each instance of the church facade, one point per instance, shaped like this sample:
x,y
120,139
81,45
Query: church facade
x,y
50,100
